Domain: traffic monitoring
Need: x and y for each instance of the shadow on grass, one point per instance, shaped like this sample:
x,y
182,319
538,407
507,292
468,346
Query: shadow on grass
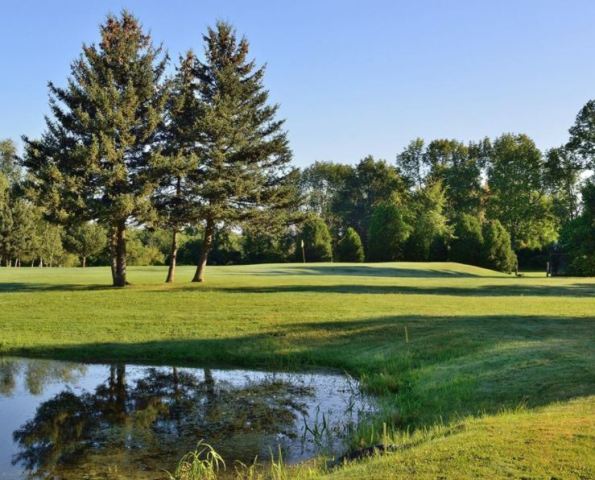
x,y
444,367
363,270
515,290
8,287
573,290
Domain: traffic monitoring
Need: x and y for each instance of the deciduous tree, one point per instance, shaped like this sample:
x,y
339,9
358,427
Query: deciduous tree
x,y
516,192
388,232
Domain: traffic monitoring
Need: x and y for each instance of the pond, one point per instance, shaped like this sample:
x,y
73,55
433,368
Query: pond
x,y
72,420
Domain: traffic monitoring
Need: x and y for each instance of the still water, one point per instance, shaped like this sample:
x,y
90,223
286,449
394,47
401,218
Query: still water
x,y
64,420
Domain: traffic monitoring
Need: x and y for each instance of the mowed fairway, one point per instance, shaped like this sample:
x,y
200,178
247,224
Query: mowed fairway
x,y
495,374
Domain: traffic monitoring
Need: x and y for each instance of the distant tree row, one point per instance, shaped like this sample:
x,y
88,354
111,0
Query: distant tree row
x,y
476,203
138,168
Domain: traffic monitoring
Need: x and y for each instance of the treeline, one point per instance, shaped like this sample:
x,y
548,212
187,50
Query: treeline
x,y
138,168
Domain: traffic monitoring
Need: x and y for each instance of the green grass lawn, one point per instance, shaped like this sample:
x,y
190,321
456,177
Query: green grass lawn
x,y
495,375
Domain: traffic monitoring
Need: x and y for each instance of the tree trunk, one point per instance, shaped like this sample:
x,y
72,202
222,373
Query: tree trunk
x,y
112,249
40,262
171,272
120,273
84,262
199,276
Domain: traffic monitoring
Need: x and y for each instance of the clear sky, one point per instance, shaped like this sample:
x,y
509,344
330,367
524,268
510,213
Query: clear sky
x,y
352,77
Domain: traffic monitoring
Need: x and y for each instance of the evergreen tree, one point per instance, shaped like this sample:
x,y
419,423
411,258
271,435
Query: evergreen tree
x,y
350,248
174,199
317,240
497,251
94,160
388,232
243,152
467,243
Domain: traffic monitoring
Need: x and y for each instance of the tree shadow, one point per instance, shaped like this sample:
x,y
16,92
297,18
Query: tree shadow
x,y
514,290
443,367
363,270
13,287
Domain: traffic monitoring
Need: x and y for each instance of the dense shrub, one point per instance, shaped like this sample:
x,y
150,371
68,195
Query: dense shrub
x,y
350,248
497,252
467,244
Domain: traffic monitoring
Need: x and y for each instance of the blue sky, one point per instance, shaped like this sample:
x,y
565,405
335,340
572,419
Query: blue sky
x,y
352,77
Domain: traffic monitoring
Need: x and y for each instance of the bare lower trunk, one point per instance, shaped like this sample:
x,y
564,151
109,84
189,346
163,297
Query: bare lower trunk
x,y
207,243
120,274
112,250
171,271
84,262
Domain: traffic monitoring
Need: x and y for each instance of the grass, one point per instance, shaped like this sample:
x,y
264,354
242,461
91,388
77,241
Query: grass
x,y
494,374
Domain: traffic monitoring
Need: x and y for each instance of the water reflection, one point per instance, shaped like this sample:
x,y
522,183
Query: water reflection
x,y
116,421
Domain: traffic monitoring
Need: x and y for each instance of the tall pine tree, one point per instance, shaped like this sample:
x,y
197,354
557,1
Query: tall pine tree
x,y
173,198
94,160
242,149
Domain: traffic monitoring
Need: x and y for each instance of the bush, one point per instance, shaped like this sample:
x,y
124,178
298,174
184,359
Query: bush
x,y
497,252
387,234
350,248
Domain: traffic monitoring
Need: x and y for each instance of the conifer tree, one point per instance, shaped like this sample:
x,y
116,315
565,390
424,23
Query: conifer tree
x,y
173,199
350,248
497,248
467,242
243,151
317,241
93,161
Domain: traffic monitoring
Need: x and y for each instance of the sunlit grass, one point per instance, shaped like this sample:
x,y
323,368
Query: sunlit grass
x,y
437,342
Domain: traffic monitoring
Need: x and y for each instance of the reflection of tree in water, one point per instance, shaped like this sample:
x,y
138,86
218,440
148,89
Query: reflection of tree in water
x,y
149,425
37,374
